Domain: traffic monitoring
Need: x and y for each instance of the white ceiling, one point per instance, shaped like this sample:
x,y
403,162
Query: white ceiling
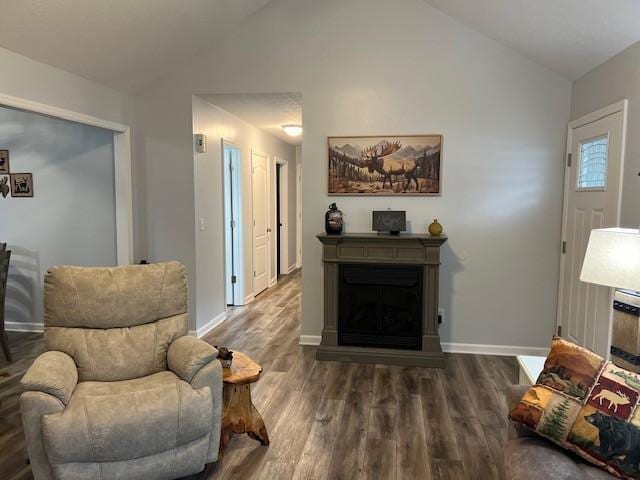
x,y
125,44
267,111
570,37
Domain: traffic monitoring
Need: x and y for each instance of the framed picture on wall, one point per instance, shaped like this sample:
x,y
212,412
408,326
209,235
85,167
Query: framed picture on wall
x,y
4,186
385,165
21,185
4,162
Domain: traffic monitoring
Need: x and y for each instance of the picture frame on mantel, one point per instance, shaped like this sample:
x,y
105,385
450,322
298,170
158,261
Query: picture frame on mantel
x,y
385,165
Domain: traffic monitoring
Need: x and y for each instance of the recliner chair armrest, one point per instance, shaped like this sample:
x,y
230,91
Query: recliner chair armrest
x,y
54,373
187,355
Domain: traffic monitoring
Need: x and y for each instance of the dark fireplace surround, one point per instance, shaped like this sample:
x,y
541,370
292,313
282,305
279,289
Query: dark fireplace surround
x,y
381,299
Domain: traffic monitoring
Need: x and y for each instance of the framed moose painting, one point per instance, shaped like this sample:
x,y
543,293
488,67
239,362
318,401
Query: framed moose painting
x,y
385,165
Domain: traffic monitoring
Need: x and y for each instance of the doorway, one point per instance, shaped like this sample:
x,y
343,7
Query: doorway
x,y
278,221
592,199
232,223
281,190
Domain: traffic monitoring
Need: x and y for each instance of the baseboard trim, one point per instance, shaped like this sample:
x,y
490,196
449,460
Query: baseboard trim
x,y
481,349
473,348
210,325
313,340
248,299
23,327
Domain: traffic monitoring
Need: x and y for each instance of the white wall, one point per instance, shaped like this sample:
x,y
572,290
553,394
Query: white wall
x,y
400,66
28,79
217,124
612,81
71,218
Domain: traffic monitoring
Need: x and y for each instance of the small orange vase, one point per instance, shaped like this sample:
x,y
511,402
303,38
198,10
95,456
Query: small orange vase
x,y
435,229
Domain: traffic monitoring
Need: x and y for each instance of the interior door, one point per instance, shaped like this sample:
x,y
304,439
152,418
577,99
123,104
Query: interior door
x,y
592,200
259,165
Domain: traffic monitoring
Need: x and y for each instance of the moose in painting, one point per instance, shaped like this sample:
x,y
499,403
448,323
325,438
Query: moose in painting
x,y
385,165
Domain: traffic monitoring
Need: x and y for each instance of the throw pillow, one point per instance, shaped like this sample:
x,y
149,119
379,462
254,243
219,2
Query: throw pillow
x,y
588,406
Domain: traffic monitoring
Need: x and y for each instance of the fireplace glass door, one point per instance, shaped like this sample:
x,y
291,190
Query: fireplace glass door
x,y
380,306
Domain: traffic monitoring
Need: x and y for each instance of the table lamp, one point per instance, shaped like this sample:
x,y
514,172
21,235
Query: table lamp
x,y
613,258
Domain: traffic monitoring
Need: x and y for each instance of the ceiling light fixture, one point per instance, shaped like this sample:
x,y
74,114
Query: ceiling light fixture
x,y
292,130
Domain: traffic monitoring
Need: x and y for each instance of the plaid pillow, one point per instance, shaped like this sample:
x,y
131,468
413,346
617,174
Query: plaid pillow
x,y
588,406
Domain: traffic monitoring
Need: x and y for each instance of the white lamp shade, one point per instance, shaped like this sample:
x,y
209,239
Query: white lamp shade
x,y
613,258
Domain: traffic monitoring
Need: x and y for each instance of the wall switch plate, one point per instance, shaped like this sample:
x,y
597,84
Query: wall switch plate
x,y
202,224
200,141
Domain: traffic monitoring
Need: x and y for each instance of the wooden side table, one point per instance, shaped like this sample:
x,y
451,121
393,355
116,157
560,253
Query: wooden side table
x,y
239,415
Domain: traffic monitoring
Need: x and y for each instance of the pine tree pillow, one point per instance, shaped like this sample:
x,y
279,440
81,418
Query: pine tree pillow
x,y
588,406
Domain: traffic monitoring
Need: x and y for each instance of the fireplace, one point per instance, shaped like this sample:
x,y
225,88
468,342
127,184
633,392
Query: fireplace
x,y
381,299
380,306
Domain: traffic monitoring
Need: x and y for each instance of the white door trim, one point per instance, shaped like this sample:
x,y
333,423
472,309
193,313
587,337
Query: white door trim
x,y
284,215
122,165
228,177
621,106
298,215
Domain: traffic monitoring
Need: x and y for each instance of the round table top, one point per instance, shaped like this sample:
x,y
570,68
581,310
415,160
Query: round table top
x,y
243,370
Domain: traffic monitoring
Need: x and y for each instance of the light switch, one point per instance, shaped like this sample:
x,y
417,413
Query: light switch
x,y
202,224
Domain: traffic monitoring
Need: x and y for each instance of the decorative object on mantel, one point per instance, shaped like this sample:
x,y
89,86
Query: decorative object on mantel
x,y
225,356
402,272
333,220
385,165
4,162
4,186
435,229
392,221
21,185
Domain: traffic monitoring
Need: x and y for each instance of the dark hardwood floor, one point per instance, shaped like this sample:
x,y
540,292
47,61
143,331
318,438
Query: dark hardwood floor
x,y
329,420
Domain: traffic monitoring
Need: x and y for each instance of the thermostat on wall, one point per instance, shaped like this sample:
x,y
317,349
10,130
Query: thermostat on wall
x,y
200,142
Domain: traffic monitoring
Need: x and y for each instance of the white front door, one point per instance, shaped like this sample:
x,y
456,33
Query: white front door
x,y
259,185
593,184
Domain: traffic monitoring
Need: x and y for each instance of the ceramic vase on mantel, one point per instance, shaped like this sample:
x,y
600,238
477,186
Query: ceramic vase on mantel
x,y
333,221
435,229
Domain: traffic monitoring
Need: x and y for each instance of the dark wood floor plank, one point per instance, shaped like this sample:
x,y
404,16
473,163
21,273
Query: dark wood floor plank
x,y
328,420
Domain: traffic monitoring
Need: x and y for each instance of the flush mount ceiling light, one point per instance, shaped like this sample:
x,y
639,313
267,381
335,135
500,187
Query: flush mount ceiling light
x,y
292,130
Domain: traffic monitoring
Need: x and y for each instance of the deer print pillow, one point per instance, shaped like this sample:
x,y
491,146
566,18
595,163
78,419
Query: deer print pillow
x,y
588,406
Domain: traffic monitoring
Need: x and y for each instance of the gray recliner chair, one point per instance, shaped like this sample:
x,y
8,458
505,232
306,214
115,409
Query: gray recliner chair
x,y
122,392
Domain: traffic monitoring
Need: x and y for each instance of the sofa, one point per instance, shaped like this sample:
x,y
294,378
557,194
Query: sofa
x,y
530,457
121,392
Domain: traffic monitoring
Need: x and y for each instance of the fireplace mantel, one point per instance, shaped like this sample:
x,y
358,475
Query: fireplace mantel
x,y
373,248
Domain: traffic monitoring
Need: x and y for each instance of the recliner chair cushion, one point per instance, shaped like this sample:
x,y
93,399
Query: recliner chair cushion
x,y
118,353
116,323
111,422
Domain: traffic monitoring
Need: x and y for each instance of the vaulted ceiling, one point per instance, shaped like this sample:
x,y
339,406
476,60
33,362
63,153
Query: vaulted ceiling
x,y
127,44
571,37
